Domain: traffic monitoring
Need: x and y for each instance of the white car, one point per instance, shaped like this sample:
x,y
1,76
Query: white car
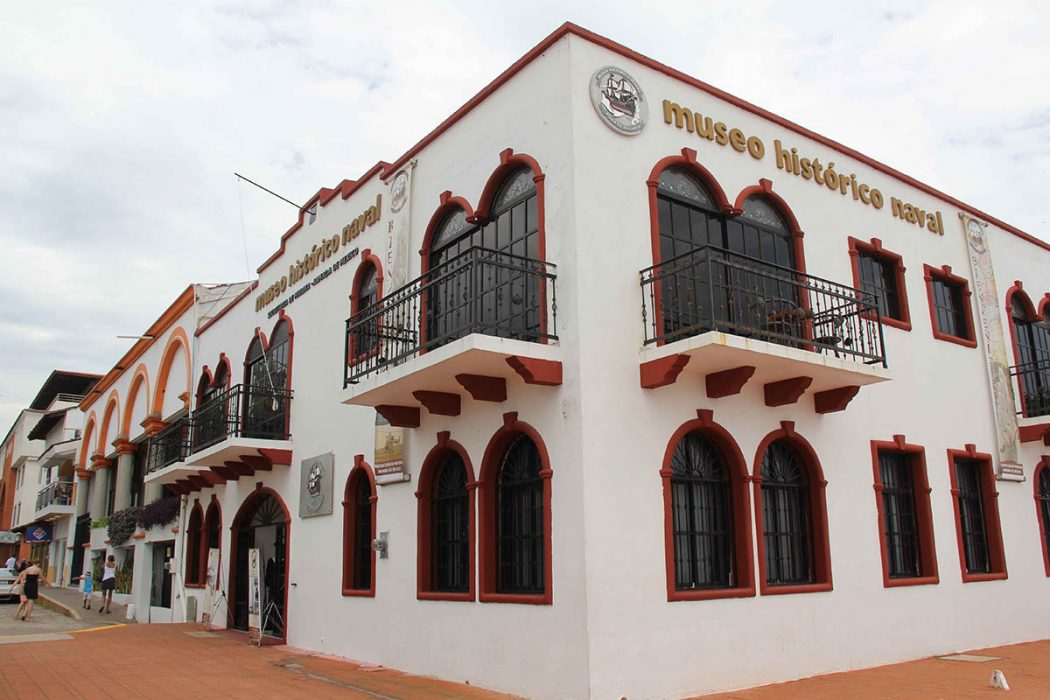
x,y
7,579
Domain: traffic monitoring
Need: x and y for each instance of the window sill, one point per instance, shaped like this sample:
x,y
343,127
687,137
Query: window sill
x,y
913,581
977,578
193,585
710,593
965,342
359,593
518,598
796,588
437,595
891,322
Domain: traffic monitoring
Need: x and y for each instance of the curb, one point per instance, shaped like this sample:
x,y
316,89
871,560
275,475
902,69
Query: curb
x,y
52,604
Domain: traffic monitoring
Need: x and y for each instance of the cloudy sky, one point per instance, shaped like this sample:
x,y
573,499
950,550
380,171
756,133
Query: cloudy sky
x,y
121,124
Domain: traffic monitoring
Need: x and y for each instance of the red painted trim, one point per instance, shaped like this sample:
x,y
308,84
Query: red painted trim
x,y
424,533
536,371
448,204
360,470
944,273
400,416
728,382
236,300
818,509
112,410
484,388
923,512
176,339
439,403
203,383
786,391
1044,536
246,510
368,260
1032,315
194,528
990,505
661,371
212,518
490,467
743,558
875,250
833,400
223,370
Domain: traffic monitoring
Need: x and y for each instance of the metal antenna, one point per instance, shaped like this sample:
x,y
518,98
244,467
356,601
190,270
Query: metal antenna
x,y
283,199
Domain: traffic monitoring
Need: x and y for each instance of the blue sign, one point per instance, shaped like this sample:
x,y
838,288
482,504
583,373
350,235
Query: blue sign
x,y
38,533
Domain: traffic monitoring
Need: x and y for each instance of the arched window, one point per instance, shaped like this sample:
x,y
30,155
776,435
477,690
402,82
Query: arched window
x,y
193,545
359,521
483,276
365,322
1032,352
519,520
266,393
688,216
794,555
450,522
702,511
1042,498
210,537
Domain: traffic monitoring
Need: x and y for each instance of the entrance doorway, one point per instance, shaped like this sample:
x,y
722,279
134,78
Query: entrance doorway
x,y
160,585
81,537
262,523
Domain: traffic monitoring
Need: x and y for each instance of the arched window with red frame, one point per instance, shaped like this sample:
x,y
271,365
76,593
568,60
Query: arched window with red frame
x,y
359,530
446,524
364,314
193,545
791,516
266,378
210,537
1031,338
1042,504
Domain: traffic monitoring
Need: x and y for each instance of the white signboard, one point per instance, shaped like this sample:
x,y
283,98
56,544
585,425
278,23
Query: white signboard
x,y
211,584
254,598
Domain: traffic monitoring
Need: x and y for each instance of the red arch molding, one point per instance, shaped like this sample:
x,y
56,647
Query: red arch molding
x,y
246,510
213,510
1044,536
490,465
194,525
424,533
818,514
360,470
1017,289
742,553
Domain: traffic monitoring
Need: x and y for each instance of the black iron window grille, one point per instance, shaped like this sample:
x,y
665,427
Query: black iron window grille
x,y
898,504
362,564
878,277
949,308
479,291
519,520
1034,379
971,515
1044,506
1032,338
713,289
702,515
450,513
786,515
242,411
366,340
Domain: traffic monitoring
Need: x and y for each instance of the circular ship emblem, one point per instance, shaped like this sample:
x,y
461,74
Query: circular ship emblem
x,y
314,488
398,191
619,100
976,235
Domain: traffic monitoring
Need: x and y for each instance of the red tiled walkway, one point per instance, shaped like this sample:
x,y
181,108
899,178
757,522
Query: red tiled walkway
x,y
163,662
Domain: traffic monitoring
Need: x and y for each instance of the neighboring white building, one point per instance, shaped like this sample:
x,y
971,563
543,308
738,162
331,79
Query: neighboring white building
x,y
646,439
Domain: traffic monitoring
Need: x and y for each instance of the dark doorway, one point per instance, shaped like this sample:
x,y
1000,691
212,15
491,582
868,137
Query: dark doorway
x,y
160,586
262,523
81,536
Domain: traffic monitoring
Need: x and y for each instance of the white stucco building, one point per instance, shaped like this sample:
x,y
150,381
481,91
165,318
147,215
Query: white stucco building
x,y
681,386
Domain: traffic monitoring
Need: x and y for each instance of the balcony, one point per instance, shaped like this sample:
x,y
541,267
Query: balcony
x,y
167,452
467,325
735,319
1033,395
55,501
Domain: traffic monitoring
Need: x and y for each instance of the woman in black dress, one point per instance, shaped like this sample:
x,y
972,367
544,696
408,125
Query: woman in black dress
x,y
30,579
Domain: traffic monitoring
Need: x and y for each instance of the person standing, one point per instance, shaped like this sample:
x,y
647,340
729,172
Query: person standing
x,y
30,579
109,583
88,590
11,561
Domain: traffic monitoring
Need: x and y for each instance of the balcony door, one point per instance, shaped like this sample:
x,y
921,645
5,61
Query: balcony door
x,y
1033,358
734,274
266,380
482,278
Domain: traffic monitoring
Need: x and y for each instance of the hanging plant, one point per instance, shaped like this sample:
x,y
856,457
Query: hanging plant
x,y
160,512
122,525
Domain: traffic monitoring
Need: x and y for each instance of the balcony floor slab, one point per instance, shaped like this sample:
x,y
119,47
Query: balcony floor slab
x,y
436,371
1034,428
716,352
234,449
54,512
171,473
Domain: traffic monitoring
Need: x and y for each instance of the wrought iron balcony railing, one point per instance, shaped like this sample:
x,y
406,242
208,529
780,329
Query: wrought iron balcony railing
x,y
169,445
57,493
1034,381
479,291
712,289
247,411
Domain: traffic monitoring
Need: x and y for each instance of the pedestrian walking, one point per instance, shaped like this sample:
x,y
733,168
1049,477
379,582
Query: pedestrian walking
x,y
11,561
30,580
109,583
88,588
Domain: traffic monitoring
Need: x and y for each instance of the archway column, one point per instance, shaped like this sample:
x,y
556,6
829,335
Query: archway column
x,y
125,466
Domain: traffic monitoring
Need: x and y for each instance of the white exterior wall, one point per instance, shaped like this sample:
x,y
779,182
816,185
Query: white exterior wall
x,y
938,398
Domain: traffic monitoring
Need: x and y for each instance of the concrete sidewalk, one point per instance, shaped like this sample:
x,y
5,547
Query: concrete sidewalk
x,y
72,600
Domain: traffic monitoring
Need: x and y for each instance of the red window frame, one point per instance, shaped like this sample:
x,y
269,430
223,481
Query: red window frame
x,y
487,530
874,249
424,520
818,509
368,260
990,508
361,470
744,560
923,512
194,537
1044,536
944,274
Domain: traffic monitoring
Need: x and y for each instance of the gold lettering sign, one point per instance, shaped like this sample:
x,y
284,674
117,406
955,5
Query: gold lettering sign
x,y
320,252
